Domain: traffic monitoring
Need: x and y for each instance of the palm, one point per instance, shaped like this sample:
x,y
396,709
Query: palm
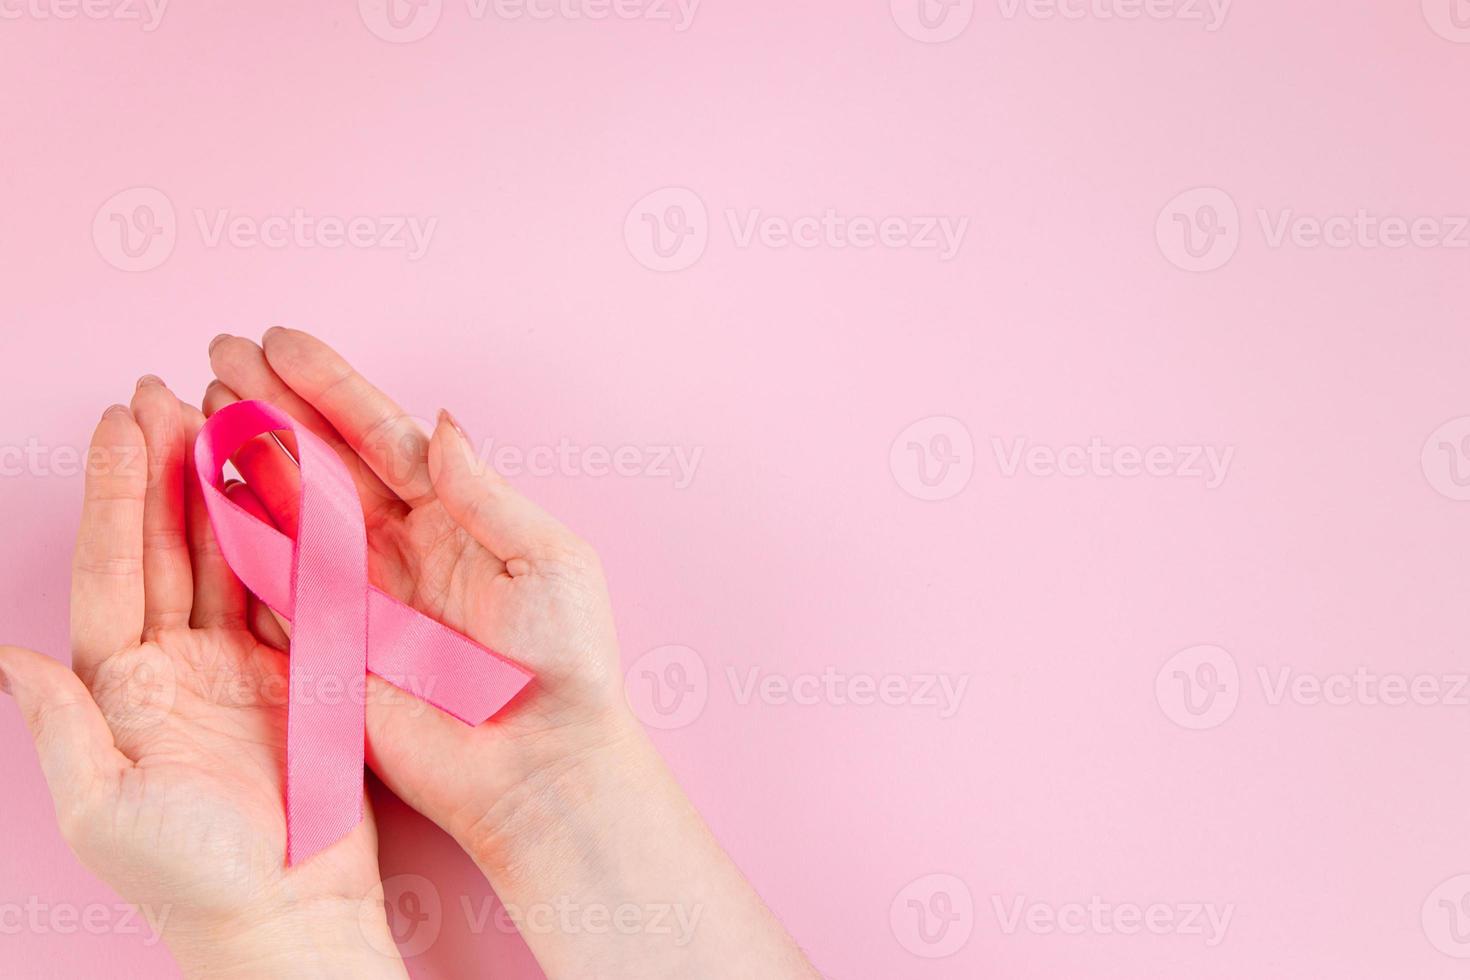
x,y
202,715
552,622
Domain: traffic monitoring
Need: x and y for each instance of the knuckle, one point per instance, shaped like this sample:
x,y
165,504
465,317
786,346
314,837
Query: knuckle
x,y
75,815
571,555
109,566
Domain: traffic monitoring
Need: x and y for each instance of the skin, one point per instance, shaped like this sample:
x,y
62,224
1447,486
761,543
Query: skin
x,y
163,751
560,799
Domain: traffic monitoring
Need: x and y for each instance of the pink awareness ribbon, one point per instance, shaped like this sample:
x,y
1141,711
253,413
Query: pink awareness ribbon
x,y
341,627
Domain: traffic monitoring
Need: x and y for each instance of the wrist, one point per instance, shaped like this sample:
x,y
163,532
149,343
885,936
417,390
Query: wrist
x,y
566,797
606,835
336,938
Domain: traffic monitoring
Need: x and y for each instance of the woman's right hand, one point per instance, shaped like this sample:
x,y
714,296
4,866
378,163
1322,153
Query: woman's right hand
x,y
450,538
560,798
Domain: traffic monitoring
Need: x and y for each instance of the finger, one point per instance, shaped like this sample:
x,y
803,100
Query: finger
x,y
76,749
242,366
107,567
245,495
219,597
265,464
404,731
481,502
168,582
384,435
268,627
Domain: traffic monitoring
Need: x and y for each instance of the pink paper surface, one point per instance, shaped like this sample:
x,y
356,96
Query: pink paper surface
x,y
1161,704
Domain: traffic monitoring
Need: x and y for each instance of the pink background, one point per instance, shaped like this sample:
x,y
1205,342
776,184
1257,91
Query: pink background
x,y
1329,546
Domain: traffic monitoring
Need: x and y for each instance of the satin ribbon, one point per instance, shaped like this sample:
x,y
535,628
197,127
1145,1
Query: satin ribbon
x,y
341,627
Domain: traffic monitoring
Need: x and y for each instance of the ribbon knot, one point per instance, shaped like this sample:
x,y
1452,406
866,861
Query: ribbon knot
x,y
341,627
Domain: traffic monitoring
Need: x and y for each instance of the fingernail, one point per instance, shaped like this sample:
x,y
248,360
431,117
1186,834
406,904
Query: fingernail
x,y
213,343
265,336
444,416
149,379
4,681
114,410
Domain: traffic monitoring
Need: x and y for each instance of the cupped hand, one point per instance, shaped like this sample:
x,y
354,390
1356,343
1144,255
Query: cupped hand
x,y
560,797
164,751
451,538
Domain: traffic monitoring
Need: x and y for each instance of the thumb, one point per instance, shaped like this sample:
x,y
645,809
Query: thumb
x,y
75,746
490,509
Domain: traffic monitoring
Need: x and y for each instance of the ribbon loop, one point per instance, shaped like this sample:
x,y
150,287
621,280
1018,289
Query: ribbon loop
x,y
341,627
